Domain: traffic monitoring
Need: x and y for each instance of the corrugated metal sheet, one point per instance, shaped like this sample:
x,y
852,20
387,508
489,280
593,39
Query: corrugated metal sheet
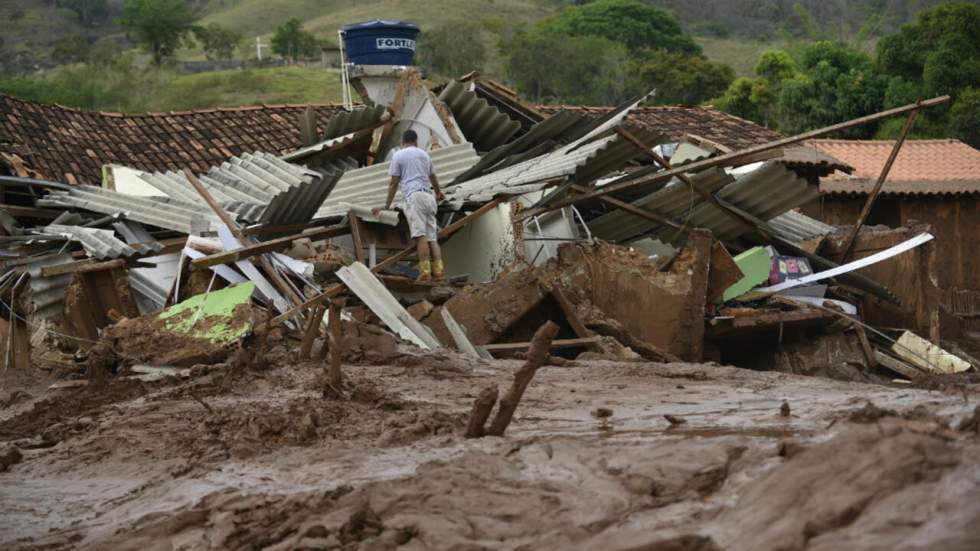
x,y
368,186
765,193
259,188
795,226
136,236
547,131
483,125
97,243
162,212
584,163
48,293
672,201
348,122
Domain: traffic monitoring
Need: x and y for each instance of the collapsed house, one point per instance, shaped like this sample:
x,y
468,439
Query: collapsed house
x,y
665,233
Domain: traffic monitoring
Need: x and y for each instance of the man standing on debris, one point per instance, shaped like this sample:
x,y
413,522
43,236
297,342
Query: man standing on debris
x,y
412,173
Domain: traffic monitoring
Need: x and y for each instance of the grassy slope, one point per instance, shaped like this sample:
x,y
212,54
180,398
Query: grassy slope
x,y
739,54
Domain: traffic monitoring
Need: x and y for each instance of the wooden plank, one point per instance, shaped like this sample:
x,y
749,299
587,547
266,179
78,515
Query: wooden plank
x,y
309,335
569,310
866,210
723,272
84,266
866,349
559,343
355,234
227,257
896,365
30,212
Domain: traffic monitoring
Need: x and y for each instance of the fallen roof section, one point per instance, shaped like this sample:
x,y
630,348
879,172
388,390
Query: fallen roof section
x,y
368,186
162,212
481,123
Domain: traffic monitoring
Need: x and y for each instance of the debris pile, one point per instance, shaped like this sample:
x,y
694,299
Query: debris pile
x,y
637,243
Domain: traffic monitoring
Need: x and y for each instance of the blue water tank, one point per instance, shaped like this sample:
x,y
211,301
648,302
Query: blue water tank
x,y
380,42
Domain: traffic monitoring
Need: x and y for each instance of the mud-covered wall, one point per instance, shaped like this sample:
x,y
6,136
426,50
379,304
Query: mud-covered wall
x,y
954,220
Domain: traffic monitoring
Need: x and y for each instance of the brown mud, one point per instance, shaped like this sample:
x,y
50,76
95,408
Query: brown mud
x,y
243,458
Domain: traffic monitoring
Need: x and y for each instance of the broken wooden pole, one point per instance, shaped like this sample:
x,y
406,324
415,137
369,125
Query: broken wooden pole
x,y
248,251
334,376
482,407
267,266
310,333
654,174
537,356
866,210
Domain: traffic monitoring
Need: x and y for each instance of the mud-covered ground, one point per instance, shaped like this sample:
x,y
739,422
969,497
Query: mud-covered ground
x,y
239,458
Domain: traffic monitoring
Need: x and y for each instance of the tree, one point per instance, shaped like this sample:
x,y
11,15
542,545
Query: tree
x,y
938,54
633,23
680,78
836,83
555,68
88,11
964,116
218,42
442,52
160,25
292,42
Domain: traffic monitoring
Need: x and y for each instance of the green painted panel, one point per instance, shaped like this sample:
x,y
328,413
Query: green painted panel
x,y
210,316
755,264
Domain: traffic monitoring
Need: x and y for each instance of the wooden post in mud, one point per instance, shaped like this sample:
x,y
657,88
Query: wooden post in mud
x,y
312,330
482,407
334,376
537,356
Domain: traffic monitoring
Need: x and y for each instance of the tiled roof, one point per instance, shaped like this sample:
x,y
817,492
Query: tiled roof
x,y
679,120
71,145
922,166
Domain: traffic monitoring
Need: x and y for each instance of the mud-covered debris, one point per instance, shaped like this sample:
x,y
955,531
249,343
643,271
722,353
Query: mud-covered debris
x,y
9,456
971,423
784,410
870,413
602,413
674,420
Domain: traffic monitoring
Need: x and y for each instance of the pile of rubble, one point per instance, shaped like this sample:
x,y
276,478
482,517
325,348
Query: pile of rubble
x,y
618,233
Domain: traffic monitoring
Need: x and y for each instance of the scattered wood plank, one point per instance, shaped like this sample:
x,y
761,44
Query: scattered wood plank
x,y
866,349
896,365
249,251
559,343
84,266
309,335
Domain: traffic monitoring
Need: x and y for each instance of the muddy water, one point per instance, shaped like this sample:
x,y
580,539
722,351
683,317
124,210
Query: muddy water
x,y
273,464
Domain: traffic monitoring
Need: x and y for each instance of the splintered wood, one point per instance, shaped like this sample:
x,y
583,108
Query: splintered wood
x,y
538,355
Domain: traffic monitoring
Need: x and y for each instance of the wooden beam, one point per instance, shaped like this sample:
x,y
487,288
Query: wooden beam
x,y
309,335
30,212
267,266
866,210
633,209
386,263
248,251
559,343
84,266
334,375
650,176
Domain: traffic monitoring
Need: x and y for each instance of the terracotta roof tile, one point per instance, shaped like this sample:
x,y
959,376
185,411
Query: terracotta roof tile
x,y
922,166
60,141
679,120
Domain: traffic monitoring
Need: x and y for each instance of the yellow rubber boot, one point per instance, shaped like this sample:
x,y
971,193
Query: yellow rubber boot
x,y
425,271
438,271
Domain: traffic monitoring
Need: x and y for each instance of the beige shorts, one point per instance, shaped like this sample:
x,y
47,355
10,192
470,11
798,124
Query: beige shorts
x,y
420,210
